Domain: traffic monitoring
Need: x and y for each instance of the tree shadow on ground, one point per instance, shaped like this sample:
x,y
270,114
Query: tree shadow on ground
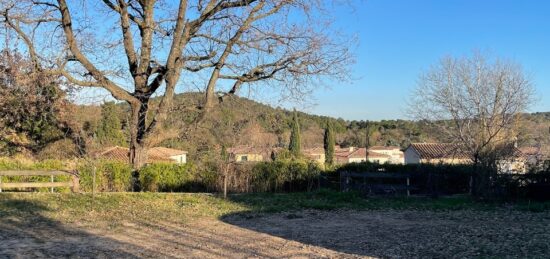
x,y
26,233
407,233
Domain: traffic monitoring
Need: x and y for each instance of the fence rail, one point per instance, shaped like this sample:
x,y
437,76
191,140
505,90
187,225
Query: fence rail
x,y
73,183
362,182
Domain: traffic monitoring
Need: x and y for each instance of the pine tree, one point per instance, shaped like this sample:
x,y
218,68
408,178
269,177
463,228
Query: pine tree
x,y
329,144
109,131
295,145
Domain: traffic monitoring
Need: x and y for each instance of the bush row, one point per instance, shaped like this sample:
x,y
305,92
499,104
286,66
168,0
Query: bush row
x,y
277,176
112,176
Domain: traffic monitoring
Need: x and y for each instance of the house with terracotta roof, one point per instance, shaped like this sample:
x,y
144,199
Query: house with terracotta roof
x,y
250,154
155,155
359,155
435,153
316,154
179,156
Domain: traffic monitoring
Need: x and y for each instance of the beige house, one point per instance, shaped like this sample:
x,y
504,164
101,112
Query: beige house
x,y
316,154
178,156
376,154
435,153
154,155
250,154
396,156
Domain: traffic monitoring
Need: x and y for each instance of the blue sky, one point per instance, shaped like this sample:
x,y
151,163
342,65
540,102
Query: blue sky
x,y
399,39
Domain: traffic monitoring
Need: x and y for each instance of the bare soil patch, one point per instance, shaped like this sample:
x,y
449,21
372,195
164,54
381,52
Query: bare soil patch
x,y
302,234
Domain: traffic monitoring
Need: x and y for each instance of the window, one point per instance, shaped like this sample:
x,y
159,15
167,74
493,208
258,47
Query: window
x,y
244,158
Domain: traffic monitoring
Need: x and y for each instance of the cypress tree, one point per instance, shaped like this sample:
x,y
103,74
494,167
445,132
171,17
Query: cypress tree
x,y
109,131
295,145
329,144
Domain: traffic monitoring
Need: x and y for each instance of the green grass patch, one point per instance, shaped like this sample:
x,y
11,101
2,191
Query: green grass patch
x,y
115,208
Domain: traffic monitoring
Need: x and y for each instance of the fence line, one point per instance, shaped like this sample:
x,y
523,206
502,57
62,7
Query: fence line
x,y
73,183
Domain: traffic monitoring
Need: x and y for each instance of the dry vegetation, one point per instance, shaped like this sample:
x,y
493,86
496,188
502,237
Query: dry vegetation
x,y
318,224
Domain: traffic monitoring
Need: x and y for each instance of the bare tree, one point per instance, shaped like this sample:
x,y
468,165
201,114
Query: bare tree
x,y
137,49
476,100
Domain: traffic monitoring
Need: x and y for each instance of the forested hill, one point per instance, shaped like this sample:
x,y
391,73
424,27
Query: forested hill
x,y
241,121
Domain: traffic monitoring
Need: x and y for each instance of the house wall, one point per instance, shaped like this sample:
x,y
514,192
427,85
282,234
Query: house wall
x,y
249,158
396,156
411,157
356,160
319,158
180,159
380,160
452,161
515,166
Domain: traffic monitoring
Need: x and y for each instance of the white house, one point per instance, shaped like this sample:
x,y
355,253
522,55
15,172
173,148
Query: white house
x,y
358,155
396,156
178,156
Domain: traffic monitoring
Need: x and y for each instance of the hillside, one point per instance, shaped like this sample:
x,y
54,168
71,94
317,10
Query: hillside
x,y
241,121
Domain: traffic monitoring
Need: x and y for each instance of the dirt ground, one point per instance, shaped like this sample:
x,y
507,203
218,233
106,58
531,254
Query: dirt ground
x,y
304,234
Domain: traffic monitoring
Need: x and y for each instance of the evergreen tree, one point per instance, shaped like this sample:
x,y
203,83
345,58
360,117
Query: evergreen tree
x,y
224,155
329,144
109,131
295,140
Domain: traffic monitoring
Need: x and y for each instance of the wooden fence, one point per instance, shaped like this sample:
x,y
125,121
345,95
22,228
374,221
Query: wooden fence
x,y
368,183
73,183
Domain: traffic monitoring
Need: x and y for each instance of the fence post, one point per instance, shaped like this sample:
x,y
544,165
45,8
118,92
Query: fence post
x,y
471,184
93,180
51,180
225,186
408,185
76,184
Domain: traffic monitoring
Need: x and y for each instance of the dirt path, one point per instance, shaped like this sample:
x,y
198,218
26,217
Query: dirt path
x,y
306,234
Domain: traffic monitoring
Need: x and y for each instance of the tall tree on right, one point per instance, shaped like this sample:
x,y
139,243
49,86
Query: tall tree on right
x,y
295,146
476,101
329,144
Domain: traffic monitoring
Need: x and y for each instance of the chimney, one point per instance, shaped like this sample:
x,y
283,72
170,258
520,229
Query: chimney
x,y
351,149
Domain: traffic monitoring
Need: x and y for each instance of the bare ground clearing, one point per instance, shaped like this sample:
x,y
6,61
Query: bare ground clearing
x,y
307,233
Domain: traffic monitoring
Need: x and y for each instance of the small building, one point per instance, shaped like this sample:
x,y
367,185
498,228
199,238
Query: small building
x,y
316,154
250,154
179,156
359,155
154,155
435,153
350,155
521,160
396,156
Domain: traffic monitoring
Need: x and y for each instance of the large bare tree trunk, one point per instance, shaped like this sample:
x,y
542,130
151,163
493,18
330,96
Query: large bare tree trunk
x,y
138,147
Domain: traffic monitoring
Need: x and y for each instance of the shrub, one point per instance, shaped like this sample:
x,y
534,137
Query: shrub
x,y
281,175
166,177
110,176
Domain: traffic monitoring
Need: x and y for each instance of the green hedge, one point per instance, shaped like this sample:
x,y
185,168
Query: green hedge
x,y
110,176
167,177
